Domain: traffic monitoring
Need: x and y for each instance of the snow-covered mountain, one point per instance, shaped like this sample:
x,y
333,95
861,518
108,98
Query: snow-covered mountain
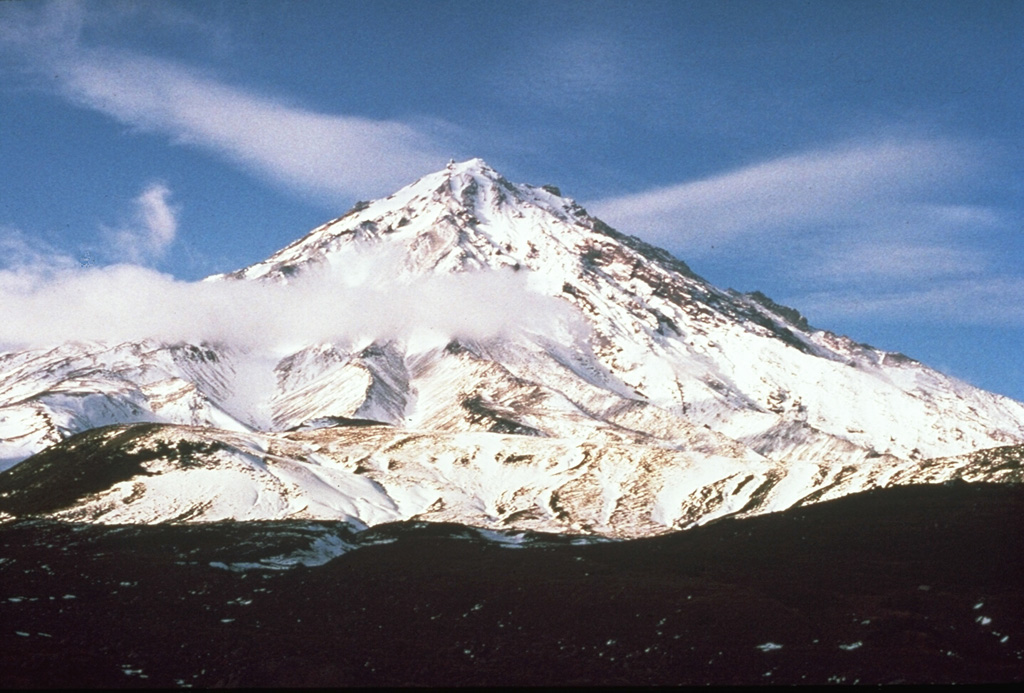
x,y
628,395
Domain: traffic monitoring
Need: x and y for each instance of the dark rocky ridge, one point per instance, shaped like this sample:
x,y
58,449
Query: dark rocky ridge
x,y
87,463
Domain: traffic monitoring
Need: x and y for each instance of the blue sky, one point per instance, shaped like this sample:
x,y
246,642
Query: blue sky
x,y
860,161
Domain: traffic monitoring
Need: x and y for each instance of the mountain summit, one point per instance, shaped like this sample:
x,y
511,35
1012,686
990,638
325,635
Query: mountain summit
x,y
628,396
466,217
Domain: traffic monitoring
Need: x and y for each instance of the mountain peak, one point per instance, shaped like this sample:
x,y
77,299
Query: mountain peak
x,y
474,165
466,216
467,179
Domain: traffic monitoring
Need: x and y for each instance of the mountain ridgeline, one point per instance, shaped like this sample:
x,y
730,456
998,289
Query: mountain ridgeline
x,y
577,380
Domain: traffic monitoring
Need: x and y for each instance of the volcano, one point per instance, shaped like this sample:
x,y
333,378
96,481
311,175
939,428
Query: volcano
x,y
516,365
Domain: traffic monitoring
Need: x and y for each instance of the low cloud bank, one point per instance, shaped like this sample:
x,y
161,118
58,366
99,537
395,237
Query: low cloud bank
x,y
129,303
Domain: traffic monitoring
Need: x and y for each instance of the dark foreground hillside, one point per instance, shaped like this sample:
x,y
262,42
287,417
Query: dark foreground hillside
x,y
914,584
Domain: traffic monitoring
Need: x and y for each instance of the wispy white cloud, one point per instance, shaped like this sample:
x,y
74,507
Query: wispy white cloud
x,y
329,156
902,243
856,225
895,260
143,238
29,254
977,301
834,187
152,229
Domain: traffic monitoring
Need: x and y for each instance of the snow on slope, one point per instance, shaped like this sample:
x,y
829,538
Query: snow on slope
x,y
47,395
371,474
658,334
692,388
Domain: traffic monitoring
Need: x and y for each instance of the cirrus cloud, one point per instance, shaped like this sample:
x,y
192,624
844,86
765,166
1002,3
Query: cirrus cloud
x,y
868,229
835,187
327,156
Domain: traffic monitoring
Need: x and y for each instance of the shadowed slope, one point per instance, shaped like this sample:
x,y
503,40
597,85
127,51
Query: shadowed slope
x,y
910,584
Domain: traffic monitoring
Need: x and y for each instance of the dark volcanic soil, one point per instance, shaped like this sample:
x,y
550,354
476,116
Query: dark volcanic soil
x,y
914,584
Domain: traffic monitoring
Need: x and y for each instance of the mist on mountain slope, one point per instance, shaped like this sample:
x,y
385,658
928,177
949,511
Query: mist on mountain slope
x,y
361,296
